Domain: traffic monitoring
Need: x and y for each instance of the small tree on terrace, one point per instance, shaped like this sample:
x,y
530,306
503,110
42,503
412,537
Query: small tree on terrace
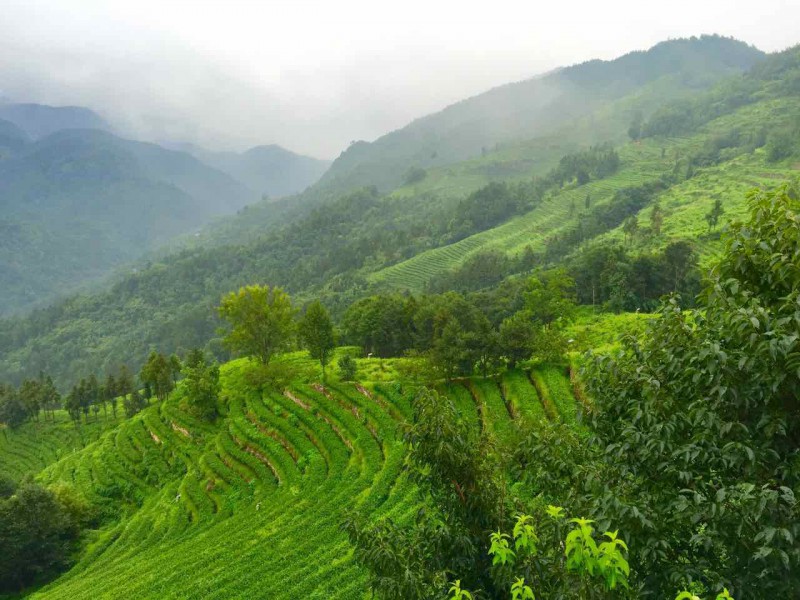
x,y
656,219
202,386
712,217
157,373
316,332
517,337
261,321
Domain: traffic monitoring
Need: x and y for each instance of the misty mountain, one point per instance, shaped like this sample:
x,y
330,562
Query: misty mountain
x,y
77,203
268,170
537,107
39,120
12,139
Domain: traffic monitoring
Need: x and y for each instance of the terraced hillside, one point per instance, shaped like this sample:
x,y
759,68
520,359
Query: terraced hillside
x,y
251,506
641,162
36,444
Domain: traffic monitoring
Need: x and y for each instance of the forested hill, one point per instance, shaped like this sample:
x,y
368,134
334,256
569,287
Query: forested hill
x,y
79,202
463,227
537,107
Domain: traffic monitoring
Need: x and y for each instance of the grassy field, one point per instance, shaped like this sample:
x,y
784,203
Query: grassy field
x,y
251,505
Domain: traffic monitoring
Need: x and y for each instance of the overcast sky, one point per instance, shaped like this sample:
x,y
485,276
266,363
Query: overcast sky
x,y
312,76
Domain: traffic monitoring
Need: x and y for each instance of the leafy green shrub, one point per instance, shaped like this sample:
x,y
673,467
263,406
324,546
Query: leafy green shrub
x,y
347,367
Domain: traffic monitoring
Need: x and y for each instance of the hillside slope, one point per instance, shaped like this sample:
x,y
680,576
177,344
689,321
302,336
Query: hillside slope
x,y
538,107
269,482
79,202
360,243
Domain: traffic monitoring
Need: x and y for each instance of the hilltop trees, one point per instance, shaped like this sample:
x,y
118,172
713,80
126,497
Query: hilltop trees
x,y
381,325
261,321
517,338
158,374
316,333
656,218
12,408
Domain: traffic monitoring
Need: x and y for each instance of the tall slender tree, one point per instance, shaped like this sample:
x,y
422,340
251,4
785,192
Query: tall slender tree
x,y
316,332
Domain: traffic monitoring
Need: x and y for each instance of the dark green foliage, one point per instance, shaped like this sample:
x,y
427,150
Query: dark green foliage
x,y
201,387
381,325
414,175
481,270
12,409
37,536
485,208
783,143
596,163
133,403
316,333
709,401
712,217
157,375
610,276
260,319
626,203
347,368
517,337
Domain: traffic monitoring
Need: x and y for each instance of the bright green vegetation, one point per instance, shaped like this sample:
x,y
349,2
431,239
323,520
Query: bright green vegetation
x,y
476,400
522,397
267,482
640,163
601,331
36,444
554,386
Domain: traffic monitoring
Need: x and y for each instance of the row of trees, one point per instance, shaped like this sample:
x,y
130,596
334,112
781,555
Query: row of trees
x,y
87,398
33,397
456,334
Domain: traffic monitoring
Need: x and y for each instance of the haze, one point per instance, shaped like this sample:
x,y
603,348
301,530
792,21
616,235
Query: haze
x,y
313,76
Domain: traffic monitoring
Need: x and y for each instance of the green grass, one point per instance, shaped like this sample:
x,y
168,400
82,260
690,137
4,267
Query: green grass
x,y
267,483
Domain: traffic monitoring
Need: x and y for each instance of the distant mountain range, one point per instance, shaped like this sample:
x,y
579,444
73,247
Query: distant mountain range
x,y
76,200
40,120
270,171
